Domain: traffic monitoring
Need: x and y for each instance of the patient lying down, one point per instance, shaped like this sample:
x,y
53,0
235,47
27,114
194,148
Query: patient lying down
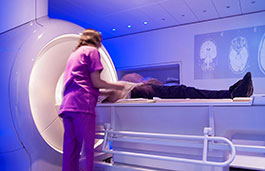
x,y
136,88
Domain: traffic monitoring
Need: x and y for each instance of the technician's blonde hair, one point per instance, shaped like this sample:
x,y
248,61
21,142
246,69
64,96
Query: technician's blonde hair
x,y
90,36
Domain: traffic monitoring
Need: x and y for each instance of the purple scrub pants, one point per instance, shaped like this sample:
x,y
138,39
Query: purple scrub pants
x,y
79,128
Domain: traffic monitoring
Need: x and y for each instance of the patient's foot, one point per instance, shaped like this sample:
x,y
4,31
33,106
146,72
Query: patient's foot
x,y
242,88
231,88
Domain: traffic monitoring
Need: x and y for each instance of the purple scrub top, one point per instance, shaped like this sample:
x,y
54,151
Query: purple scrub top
x,y
79,93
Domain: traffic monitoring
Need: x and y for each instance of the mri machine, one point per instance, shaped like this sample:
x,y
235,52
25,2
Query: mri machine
x,y
33,58
139,135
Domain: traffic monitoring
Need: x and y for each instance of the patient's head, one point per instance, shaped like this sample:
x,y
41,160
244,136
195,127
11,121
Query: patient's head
x,y
132,77
137,78
152,81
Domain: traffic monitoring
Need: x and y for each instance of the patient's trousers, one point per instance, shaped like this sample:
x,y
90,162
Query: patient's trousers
x,y
181,91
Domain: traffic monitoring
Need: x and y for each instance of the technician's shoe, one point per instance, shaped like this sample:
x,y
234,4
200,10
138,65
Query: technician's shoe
x,y
244,87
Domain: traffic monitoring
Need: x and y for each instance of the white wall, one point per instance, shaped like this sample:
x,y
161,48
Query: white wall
x,y
17,12
177,44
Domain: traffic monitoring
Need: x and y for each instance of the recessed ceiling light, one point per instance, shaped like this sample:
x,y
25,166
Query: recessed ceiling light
x,y
114,29
228,6
129,26
183,15
253,2
163,19
145,22
204,11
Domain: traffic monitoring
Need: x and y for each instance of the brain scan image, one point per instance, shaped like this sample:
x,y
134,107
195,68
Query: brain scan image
x,y
261,54
208,53
238,55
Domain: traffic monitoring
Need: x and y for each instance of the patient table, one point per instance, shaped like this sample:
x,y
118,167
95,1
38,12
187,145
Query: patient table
x,y
182,134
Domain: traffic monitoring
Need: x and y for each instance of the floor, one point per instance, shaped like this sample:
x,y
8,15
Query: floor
x,y
237,169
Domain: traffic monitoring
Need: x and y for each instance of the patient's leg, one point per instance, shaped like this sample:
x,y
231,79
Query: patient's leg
x,y
183,91
179,92
242,88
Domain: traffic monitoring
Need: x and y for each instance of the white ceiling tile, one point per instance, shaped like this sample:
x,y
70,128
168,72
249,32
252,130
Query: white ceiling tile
x,y
123,19
227,7
179,10
120,21
252,5
203,9
134,14
107,7
159,16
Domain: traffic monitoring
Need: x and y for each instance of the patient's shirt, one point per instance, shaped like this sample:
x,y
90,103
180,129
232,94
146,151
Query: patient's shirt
x,y
129,86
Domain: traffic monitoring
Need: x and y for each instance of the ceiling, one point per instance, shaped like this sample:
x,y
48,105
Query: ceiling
x,y
122,17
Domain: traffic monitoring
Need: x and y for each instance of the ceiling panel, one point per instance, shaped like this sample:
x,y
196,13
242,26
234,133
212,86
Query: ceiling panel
x,y
159,16
252,5
203,9
179,10
107,7
106,15
139,19
125,22
227,7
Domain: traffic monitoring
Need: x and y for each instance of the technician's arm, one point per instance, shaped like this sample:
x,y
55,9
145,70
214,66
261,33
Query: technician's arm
x,y
99,83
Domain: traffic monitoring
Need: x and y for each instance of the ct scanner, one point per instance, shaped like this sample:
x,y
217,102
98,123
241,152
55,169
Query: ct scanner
x,y
33,60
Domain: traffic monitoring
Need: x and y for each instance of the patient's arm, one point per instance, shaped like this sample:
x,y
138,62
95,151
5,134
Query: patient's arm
x,y
113,96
